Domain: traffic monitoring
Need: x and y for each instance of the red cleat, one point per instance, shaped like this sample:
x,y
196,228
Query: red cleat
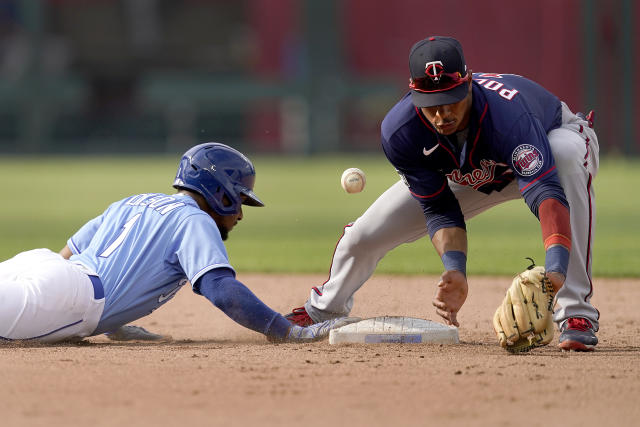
x,y
577,334
300,317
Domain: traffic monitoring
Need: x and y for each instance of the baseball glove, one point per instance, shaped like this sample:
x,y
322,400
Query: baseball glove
x,y
524,320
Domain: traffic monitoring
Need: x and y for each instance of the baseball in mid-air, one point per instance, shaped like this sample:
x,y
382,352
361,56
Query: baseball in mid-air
x,y
353,180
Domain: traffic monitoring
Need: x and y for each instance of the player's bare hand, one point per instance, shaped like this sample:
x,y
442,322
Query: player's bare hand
x,y
450,296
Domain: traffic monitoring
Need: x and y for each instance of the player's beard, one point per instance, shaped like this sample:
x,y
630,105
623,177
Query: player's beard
x,y
224,232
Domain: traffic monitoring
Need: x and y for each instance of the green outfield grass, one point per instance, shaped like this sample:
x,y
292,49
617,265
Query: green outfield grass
x,y
47,199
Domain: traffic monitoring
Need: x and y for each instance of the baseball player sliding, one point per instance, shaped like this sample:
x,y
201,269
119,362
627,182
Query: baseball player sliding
x,y
134,257
462,143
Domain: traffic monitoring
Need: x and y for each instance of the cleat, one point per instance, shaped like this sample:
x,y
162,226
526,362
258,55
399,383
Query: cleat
x,y
577,334
300,317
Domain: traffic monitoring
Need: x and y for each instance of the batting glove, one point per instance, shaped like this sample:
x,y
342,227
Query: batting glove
x,y
317,331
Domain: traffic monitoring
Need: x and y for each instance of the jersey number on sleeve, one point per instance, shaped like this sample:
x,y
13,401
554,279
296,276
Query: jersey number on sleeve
x,y
123,234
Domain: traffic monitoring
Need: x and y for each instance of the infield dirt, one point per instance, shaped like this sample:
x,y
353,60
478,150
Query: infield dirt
x,y
214,372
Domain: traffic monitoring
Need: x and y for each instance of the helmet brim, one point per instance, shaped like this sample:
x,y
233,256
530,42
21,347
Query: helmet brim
x,y
251,198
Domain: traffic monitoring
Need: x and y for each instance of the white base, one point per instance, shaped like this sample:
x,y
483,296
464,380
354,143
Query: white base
x,y
394,329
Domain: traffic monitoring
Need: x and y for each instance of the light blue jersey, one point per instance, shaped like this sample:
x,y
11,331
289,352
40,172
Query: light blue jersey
x,y
145,248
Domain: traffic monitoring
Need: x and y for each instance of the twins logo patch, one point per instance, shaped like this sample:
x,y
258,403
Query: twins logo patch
x,y
527,160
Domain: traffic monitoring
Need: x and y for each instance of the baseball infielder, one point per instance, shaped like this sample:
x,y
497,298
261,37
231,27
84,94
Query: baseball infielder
x,y
463,143
134,257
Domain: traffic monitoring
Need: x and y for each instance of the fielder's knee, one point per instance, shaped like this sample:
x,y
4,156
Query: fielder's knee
x,y
356,238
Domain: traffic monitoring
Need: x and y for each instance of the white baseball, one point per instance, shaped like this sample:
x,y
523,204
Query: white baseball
x,y
353,180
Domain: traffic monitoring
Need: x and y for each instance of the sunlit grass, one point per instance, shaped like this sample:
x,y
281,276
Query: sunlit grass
x,y
47,199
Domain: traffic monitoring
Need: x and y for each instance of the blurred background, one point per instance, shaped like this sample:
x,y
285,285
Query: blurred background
x,y
99,98
285,76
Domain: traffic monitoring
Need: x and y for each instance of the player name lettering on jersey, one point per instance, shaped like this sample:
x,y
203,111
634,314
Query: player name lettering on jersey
x,y
477,177
161,203
496,86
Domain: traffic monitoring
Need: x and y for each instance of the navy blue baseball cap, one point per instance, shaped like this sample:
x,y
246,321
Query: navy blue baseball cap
x,y
438,72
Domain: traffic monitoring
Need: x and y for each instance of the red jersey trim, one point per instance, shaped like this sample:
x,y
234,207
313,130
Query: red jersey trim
x,y
537,179
475,140
430,195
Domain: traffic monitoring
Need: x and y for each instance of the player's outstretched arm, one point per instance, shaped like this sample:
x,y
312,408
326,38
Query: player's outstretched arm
x,y
240,304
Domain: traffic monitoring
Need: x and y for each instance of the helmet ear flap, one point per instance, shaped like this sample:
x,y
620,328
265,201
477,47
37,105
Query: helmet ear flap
x,y
230,201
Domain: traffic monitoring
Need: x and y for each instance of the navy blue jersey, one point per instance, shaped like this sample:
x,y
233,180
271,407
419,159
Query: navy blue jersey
x,y
507,140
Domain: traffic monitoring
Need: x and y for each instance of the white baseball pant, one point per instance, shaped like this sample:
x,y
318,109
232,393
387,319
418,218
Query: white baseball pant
x,y
396,218
46,298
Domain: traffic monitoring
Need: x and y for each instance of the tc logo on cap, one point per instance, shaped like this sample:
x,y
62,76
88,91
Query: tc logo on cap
x,y
434,69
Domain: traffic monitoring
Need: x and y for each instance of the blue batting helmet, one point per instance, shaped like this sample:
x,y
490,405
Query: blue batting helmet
x,y
215,170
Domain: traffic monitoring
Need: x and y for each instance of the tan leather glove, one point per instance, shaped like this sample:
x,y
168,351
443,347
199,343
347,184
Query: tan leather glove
x,y
524,320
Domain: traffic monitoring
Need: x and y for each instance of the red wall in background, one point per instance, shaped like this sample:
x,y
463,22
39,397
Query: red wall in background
x,y
277,28
539,40
543,40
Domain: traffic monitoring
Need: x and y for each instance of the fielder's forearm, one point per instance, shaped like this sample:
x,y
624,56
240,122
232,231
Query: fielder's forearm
x,y
555,224
451,245
450,239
